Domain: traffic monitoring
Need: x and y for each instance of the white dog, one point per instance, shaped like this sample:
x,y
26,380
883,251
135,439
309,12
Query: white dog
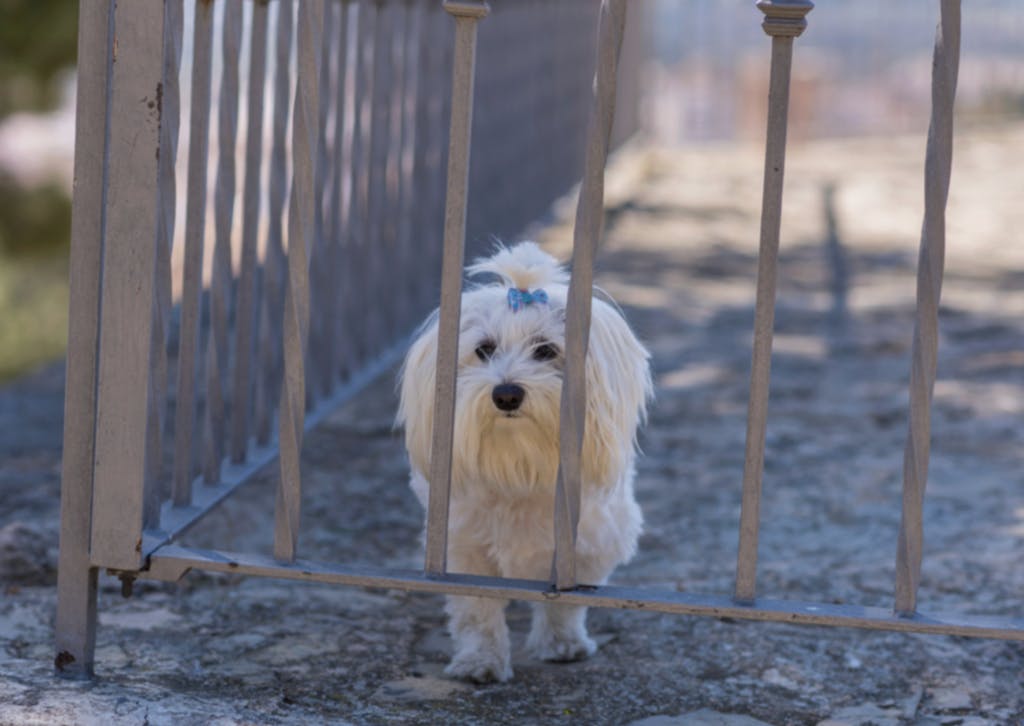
x,y
505,462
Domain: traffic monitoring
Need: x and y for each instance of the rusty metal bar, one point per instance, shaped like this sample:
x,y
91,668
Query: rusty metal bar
x,y
300,241
924,354
784,21
467,15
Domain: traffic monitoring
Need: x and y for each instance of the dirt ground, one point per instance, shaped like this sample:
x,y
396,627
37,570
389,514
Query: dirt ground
x,y
681,258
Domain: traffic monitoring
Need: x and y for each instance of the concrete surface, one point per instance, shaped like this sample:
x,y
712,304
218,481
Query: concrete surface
x,y
680,257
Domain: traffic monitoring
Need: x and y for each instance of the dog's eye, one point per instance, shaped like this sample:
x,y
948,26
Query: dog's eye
x,y
485,350
545,351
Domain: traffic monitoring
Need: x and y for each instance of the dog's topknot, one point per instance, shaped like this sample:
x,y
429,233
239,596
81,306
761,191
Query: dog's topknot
x,y
524,266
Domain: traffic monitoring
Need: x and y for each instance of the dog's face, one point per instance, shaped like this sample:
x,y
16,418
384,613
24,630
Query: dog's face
x,y
509,380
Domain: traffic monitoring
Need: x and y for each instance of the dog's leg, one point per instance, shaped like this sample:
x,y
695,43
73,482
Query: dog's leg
x,y
477,626
559,633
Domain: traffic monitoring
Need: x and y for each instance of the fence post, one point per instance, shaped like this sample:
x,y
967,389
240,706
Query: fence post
x,y
126,313
76,578
467,14
937,168
784,21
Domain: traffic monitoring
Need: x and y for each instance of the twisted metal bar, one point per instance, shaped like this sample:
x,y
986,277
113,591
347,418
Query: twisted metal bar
x,y
467,15
224,210
784,21
246,317
305,123
937,169
586,237
273,266
174,21
195,231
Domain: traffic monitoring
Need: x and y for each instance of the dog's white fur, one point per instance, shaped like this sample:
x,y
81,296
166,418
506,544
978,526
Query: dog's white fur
x,y
505,465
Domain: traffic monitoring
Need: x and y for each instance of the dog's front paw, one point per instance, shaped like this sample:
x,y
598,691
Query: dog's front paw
x,y
560,647
480,666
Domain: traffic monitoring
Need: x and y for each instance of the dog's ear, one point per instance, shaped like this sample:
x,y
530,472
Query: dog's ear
x,y
618,388
416,402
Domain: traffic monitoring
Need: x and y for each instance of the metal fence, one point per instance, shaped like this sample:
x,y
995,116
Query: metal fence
x,y
224,302
368,111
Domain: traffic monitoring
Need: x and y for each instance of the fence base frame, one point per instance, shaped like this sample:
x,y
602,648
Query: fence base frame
x,y
172,562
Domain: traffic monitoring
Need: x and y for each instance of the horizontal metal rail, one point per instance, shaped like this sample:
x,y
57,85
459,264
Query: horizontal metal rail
x,y
172,562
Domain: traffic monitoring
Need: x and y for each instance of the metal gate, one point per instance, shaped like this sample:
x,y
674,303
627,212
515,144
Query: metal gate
x,y
366,149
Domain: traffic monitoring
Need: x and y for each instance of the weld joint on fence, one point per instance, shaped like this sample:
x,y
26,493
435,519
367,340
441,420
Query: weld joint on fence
x,y
784,18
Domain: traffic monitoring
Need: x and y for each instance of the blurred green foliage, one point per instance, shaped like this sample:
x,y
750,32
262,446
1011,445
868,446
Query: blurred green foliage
x,y
33,312
38,42
34,221
37,49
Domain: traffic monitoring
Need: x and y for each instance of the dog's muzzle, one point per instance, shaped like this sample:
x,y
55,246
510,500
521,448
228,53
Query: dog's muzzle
x,y
508,397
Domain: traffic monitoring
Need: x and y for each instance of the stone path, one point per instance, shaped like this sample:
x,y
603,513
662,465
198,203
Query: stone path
x,y
680,257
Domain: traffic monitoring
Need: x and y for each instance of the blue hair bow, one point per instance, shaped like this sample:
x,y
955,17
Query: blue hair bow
x,y
518,298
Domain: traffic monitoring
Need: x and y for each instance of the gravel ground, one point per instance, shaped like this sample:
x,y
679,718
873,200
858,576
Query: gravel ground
x,y
681,258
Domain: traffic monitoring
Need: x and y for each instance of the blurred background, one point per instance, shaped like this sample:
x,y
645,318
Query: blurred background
x,y
863,68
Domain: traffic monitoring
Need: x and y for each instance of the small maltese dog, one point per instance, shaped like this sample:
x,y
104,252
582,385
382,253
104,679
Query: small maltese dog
x,y
505,461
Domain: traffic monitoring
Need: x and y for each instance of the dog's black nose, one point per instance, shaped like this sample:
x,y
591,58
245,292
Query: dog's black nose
x,y
508,396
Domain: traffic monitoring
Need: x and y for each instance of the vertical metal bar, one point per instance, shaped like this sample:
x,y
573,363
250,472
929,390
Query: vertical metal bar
x,y
224,211
467,14
246,315
358,287
338,210
397,45
273,266
373,227
319,276
126,313
784,21
418,214
586,236
169,121
195,232
937,169
76,578
411,43
300,240
349,323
